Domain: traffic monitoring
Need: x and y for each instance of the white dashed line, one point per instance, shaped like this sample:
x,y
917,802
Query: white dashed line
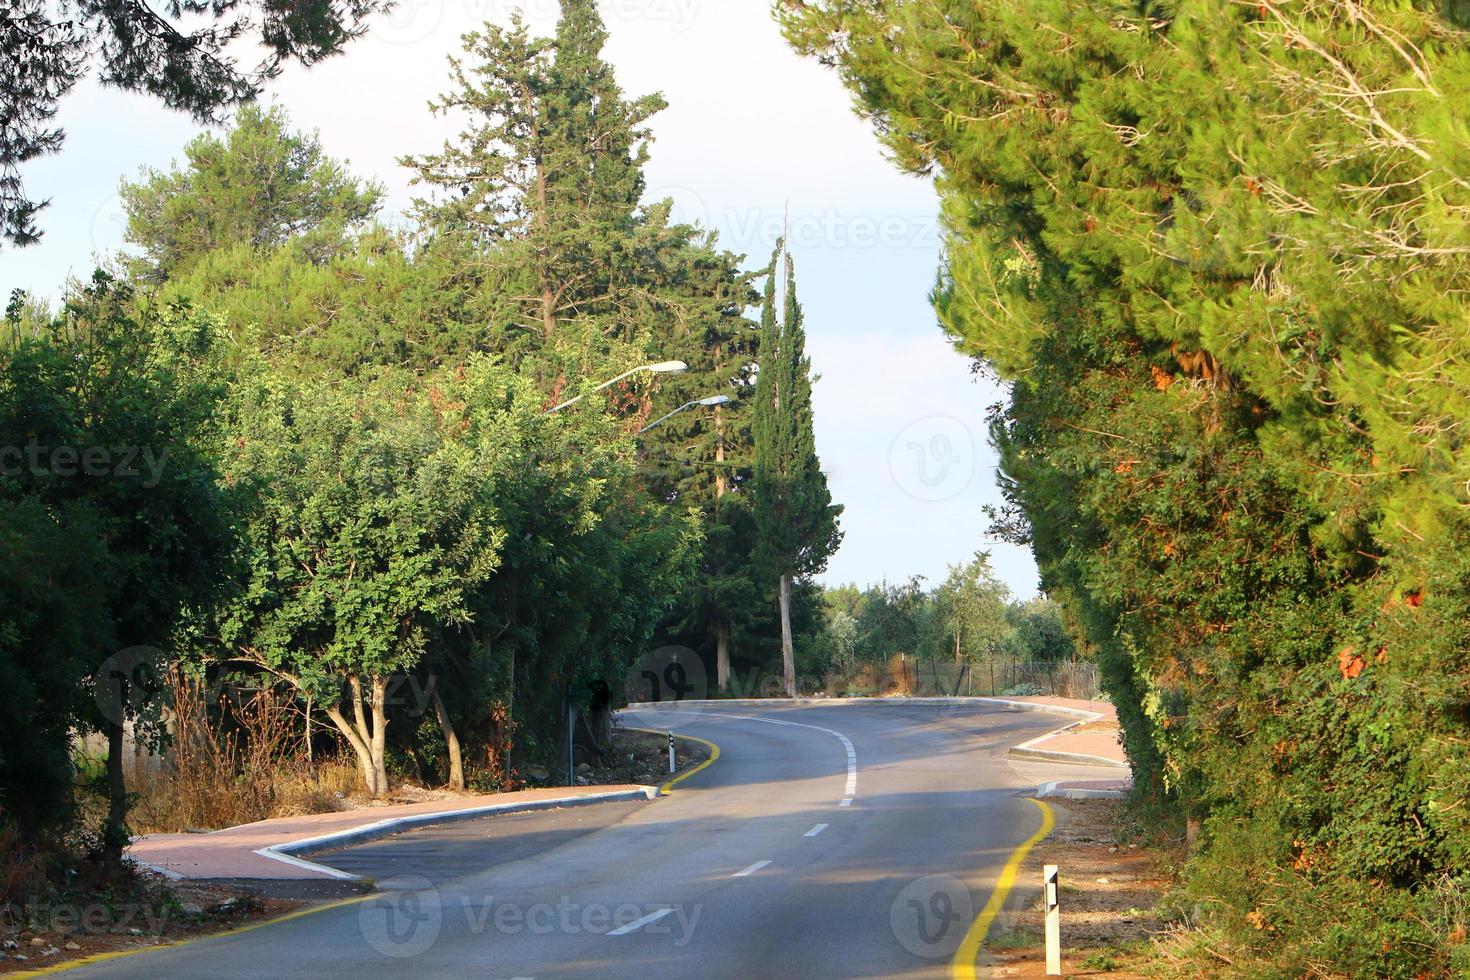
x,y
815,830
750,870
846,802
637,924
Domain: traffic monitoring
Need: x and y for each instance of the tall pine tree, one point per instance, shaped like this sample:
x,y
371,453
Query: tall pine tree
x,y
544,187
795,520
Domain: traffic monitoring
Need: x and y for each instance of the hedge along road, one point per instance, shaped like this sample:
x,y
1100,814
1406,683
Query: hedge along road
x,y
752,867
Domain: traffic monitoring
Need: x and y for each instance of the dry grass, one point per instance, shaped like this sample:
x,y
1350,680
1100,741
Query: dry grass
x,y
235,767
1110,899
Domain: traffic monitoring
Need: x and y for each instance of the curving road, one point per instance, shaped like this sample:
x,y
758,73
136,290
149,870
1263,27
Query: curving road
x,y
851,840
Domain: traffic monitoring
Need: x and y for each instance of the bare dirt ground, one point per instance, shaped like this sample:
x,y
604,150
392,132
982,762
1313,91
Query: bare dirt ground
x,y
1110,890
75,930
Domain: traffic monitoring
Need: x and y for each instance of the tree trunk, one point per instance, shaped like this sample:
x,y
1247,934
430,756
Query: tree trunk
x,y
722,655
456,758
115,832
788,652
369,743
380,732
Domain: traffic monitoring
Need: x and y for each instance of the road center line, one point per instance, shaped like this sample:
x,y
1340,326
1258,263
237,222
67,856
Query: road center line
x,y
637,924
750,870
815,830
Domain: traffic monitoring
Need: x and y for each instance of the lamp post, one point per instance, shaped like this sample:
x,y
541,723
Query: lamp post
x,y
665,367
710,402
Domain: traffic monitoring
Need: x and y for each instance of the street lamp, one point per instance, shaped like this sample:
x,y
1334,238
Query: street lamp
x,y
666,367
710,402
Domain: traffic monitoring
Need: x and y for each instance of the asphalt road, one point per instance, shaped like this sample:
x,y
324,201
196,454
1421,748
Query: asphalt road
x,y
755,867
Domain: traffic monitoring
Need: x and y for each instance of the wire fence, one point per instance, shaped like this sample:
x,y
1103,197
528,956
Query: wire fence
x,y
986,678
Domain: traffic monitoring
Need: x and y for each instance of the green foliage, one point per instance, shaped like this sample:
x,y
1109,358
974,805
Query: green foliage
x,y
367,530
116,525
48,47
795,519
969,618
1220,252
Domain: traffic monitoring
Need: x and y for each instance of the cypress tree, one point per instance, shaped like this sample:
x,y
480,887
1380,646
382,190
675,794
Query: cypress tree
x,y
795,520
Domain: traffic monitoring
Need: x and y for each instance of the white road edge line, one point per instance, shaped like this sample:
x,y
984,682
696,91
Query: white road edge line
x,y
637,924
750,870
815,830
851,789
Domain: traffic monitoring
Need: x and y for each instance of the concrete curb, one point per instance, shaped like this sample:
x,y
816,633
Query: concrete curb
x,y
1028,750
1053,755
286,852
662,706
1049,790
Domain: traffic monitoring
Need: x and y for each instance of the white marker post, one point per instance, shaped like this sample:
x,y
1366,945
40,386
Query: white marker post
x,y
1053,921
671,753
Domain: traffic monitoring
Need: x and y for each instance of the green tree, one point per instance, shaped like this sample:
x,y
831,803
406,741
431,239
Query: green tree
x,y
1040,631
106,413
1219,251
546,181
796,522
53,626
48,47
259,187
970,611
369,532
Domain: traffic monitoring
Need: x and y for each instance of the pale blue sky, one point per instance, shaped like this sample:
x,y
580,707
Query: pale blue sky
x,y
751,127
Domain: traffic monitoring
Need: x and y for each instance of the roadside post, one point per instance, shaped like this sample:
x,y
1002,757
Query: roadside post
x,y
1053,921
571,739
671,753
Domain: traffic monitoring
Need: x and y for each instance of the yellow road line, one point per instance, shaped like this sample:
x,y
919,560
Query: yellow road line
x,y
969,951
714,753
120,953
